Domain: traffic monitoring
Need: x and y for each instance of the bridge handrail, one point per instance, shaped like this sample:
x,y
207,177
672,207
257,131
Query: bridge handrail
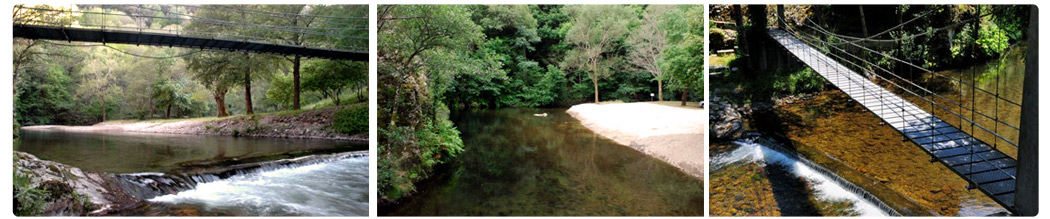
x,y
981,157
823,42
920,96
973,110
960,81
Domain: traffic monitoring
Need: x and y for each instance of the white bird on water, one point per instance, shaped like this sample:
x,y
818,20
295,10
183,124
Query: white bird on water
x,y
541,114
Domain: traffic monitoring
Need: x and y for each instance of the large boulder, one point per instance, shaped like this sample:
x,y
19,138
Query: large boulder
x,y
69,191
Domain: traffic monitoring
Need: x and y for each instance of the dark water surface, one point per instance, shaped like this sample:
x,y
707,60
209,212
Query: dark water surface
x,y
519,164
126,152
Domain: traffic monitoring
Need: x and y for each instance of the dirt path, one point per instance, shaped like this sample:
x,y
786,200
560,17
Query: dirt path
x,y
672,134
302,124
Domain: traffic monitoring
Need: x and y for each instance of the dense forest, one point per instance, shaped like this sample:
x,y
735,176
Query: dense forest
x,y
59,82
434,59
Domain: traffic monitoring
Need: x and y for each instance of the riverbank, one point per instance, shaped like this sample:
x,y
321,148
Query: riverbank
x,y
47,188
313,124
672,134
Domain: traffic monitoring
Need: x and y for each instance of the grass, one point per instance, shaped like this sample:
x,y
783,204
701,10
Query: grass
x,y
344,99
716,59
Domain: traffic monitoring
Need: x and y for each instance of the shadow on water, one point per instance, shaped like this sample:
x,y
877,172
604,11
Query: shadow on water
x,y
790,191
519,164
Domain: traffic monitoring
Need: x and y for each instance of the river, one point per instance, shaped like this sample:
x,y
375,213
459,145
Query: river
x,y
328,187
516,163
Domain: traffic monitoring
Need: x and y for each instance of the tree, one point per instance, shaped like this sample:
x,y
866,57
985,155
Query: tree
x,y
99,75
216,71
316,16
647,44
418,46
170,93
594,29
684,60
255,66
281,90
331,77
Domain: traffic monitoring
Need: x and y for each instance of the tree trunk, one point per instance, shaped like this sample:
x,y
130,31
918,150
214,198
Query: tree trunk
x,y
685,94
295,81
863,21
335,96
595,79
660,89
103,97
167,113
220,102
151,106
248,89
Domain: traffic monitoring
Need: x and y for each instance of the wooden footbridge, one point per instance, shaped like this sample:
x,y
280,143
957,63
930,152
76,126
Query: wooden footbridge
x,y
982,165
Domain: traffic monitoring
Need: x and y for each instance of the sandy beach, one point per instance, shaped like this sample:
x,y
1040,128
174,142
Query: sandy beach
x,y
672,134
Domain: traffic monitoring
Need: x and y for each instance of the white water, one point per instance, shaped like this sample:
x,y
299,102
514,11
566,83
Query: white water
x,y
336,188
824,188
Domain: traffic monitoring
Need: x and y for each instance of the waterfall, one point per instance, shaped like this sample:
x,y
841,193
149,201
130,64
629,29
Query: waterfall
x,y
826,184
317,185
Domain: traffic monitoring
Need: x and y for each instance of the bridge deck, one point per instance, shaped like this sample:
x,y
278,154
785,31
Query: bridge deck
x,y
167,39
993,172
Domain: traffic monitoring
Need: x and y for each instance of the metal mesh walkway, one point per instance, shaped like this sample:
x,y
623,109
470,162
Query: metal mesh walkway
x,y
991,171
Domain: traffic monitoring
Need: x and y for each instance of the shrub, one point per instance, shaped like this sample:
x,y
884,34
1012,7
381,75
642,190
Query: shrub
x,y
29,200
351,121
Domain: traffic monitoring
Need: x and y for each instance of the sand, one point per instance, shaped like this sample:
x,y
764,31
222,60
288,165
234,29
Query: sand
x,y
313,124
672,134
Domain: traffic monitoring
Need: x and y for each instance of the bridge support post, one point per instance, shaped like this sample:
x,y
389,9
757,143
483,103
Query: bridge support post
x,y
781,22
1027,193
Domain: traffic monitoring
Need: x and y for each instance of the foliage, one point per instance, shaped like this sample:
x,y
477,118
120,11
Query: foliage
x,y
421,50
648,42
351,121
804,80
331,77
684,59
593,31
44,96
281,90
73,83
29,200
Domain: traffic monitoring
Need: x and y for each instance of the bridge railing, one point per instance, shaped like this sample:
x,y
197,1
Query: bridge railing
x,y
990,127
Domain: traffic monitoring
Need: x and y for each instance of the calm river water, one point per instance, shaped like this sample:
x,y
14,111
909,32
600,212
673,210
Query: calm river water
x,y
519,164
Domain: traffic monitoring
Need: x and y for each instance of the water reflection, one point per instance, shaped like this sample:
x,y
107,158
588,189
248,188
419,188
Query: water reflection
x,y
126,152
519,164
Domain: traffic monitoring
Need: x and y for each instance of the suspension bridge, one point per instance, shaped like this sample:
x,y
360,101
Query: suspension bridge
x,y
139,34
924,119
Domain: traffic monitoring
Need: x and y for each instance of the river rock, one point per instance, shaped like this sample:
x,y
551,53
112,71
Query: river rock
x,y
726,119
66,183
